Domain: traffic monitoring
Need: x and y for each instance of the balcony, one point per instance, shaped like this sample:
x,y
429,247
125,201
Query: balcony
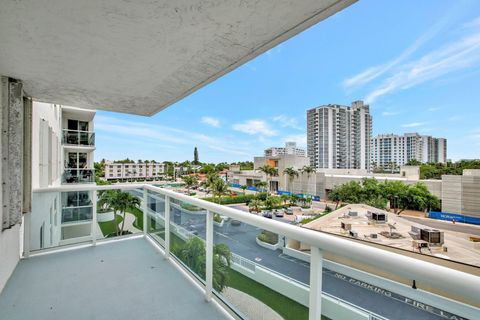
x,y
78,176
78,138
206,241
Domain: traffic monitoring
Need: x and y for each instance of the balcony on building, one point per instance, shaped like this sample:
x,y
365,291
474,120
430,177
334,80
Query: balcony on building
x,y
77,128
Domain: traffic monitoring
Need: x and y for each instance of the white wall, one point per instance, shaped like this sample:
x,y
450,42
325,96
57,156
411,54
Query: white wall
x,y
45,158
9,253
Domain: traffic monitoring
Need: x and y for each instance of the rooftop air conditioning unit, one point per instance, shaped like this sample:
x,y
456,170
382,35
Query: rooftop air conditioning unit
x,y
353,234
353,214
432,236
346,226
379,217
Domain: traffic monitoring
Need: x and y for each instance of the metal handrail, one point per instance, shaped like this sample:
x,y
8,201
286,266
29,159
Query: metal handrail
x,y
449,280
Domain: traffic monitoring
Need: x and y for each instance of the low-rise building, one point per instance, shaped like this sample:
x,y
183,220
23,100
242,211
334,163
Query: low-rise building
x,y
125,171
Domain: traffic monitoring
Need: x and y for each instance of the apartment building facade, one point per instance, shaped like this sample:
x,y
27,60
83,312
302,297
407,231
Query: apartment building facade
x,y
338,136
125,171
391,150
62,154
290,148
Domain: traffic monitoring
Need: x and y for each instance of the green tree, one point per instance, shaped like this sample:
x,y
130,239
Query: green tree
x,y
260,185
255,205
219,188
291,173
243,187
190,181
271,202
195,156
269,172
193,254
119,201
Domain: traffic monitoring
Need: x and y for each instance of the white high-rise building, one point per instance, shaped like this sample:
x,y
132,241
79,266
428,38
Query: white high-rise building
x,y
290,148
62,153
338,137
394,150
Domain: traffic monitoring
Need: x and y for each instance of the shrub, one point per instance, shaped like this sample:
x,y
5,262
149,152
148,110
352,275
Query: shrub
x,y
328,209
268,237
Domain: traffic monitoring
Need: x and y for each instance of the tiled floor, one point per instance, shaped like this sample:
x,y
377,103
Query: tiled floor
x,y
121,280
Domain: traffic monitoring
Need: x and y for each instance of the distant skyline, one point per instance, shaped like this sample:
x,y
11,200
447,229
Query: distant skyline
x,y
416,63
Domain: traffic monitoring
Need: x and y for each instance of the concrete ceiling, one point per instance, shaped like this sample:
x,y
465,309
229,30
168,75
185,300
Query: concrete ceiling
x,y
140,56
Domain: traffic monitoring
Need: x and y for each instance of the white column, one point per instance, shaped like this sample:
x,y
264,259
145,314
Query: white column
x,y
94,218
209,257
144,209
167,227
315,302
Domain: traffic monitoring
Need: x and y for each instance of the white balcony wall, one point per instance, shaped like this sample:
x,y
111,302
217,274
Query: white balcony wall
x,y
46,146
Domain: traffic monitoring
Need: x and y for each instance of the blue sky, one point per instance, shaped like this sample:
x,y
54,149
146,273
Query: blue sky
x,y
417,63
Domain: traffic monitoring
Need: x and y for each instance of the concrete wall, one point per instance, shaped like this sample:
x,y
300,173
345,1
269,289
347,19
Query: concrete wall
x,y
471,195
9,253
452,194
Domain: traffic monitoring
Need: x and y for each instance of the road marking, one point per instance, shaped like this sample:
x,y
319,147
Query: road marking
x,y
392,295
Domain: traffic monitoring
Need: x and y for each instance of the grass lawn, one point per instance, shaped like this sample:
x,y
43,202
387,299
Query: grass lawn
x,y
286,307
138,223
108,227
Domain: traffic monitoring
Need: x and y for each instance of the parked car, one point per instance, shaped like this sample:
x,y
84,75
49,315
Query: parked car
x,y
268,215
289,211
278,214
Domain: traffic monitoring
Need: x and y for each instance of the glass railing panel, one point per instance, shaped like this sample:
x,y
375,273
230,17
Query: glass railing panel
x,y
259,283
119,213
53,225
156,216
76,137
187,236
78,176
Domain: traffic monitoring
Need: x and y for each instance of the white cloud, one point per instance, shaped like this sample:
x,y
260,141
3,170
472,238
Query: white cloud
x,y
389,113
458,55
413,124
300,139
374,72
432,109
121,128
255,126
214,122
472,24
286,121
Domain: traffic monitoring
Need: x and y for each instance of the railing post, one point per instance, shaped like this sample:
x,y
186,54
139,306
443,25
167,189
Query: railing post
x,y
209,257
167,227
144,209
316,267
94,218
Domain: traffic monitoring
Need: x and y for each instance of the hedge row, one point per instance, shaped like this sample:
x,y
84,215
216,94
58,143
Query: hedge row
x,y
241,198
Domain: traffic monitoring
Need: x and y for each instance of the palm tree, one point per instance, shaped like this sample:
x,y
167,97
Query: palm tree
x,y
291,173
119,201
193,254
243,187
190,181
219,188
308,170
211,177
255,205
260,185
284,198
269,172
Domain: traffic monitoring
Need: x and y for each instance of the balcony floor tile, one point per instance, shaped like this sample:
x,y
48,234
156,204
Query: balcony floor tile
x,y
121,280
